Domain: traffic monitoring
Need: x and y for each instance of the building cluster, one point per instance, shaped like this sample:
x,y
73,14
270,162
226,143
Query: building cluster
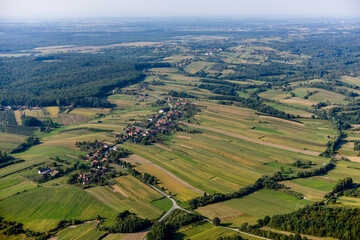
x,y
19,107
99,162
162,122
48,171
99,171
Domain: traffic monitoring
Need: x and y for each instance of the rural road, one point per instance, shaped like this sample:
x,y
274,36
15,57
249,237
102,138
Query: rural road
x,y
274,145
175,205
237,230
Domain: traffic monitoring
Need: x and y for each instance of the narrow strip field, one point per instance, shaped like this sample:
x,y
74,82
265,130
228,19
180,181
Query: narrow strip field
x,y
255,140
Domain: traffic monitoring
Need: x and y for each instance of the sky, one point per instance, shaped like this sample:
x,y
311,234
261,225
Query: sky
x,y
38,9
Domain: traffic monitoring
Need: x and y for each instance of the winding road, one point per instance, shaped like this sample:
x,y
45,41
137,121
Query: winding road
x,y
176,206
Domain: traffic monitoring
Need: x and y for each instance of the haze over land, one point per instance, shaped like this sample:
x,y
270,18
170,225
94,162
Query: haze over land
x,y
37,9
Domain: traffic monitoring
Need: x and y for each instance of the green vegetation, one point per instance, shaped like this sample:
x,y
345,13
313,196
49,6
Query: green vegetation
x,y
82,231
42,208
178,218
238,127
342,224
164,204
127,222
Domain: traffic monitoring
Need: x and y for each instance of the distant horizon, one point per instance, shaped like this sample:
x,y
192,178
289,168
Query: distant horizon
x,y
73,9
182,18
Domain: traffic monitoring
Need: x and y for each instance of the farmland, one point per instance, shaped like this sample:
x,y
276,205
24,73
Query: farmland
x,y
256,205
244,109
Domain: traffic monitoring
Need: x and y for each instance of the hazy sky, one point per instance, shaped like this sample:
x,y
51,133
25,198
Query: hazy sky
x,y
122,8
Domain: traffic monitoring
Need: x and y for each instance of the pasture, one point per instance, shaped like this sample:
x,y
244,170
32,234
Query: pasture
x,y
164,204
205,231
314,188
10,141
42,208
85,231
256,205
320,95
120,198
195,67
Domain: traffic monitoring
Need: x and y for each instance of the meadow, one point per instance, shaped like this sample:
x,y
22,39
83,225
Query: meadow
x,y
252,207
42,208
81,232
205,231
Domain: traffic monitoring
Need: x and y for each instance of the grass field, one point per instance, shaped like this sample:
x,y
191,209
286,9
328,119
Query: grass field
x,y
351,80
274,94
290,110
42,208
10,141
14,185
83,231
120,198
256,205
135,187
90,112
321,95
238,120
164,204
195,67
350,201
205,231
314,188
40,154
176,186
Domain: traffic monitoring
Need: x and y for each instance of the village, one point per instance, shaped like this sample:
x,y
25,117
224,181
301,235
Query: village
x,y
163,122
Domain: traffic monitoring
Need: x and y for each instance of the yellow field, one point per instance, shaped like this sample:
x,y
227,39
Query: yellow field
x,y
119,202
53,111
133,187
18,115
172,185
90,112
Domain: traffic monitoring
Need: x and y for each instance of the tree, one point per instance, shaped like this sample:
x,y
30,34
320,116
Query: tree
x,y
216,221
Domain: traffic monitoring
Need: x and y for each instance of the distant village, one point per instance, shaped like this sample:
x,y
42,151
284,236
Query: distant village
x,y
7,108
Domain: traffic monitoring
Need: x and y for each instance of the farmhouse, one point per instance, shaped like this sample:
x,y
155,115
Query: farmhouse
x,y
44,171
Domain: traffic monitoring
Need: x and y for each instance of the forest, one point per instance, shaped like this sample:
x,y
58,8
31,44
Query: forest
x,y
320,220
76,79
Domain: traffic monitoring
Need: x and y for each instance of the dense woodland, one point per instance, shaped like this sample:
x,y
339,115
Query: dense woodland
x,y
319,220
64,79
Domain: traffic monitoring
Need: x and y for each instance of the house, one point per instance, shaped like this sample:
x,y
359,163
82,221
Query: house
x,y
54,172
44,171
86,182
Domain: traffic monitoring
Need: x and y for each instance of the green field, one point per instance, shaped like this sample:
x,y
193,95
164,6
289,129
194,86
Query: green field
x,y
164,204
83,231
258,205
42,208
